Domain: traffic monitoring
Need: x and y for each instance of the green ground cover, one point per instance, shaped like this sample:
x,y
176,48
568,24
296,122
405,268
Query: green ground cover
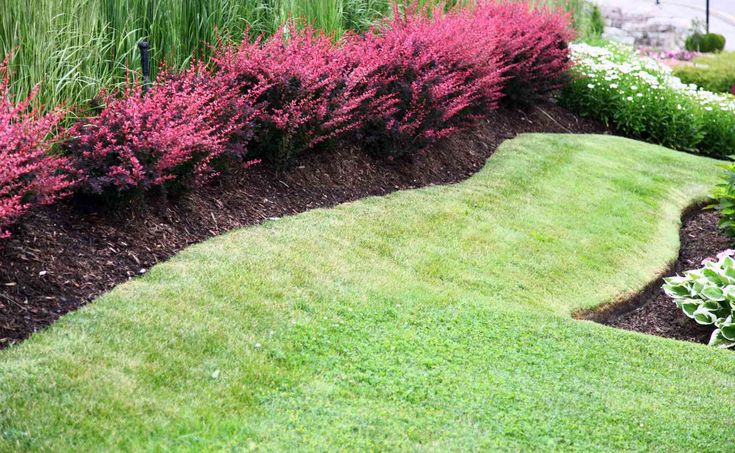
x,y
713,72
433,319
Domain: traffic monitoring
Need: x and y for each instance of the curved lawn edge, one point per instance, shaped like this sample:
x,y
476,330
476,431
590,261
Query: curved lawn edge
x,y
634,299
435,318
110,248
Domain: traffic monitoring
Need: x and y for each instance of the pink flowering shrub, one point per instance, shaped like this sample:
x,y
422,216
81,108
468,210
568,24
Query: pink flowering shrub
x,y
299,80
174,135
430,78
413,80
533,44
29,174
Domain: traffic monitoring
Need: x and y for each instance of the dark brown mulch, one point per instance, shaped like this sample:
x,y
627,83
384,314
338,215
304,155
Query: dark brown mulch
x,y
658,315
62,257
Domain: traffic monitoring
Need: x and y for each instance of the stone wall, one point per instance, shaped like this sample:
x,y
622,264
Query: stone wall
x,y
644,29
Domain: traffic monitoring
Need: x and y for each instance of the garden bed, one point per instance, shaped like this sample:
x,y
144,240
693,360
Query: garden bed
x,y
61,257
651,311
441,312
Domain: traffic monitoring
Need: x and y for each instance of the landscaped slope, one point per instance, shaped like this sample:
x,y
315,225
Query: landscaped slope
x,y
430,319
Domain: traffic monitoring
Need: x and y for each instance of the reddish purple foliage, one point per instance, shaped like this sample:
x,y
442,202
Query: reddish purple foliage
x,y
29,175
176,132
431,77
413,80
533,44
299,80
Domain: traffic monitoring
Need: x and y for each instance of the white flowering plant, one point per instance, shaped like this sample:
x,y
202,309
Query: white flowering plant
x,y
707,295
641,98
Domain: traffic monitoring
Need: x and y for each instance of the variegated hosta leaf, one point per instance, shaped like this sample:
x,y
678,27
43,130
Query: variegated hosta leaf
x,y
720,341
728,262
706,313
714,277
727,328
688,306
707,295
713,293
677,289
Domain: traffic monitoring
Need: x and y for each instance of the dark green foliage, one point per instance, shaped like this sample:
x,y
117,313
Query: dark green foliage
x,y
597,23
712,72
724,196
705,42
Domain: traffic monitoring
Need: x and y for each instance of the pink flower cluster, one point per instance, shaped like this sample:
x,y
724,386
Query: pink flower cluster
x,y
669,55
29,174
412,80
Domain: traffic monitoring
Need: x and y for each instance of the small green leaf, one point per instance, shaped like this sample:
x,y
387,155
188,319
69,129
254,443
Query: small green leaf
x,y
704,315
713,293
675,291
714,277
727,328
689,307
719,341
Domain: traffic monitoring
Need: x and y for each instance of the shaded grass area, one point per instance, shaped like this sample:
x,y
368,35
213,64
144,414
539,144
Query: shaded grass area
x,y
432,319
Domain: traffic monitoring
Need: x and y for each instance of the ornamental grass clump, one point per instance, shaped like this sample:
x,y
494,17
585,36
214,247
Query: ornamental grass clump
x,y
707,296
29,174
172,137
642,99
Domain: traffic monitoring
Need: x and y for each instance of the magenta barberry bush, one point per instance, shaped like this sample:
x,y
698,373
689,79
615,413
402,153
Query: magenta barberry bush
x,y
29,174
533,44
413,80
299,80
431,77
175,134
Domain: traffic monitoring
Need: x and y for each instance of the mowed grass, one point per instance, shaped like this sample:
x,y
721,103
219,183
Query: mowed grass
x,y
435,319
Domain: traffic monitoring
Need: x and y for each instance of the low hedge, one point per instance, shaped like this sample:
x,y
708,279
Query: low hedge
x,y
643,100
705,42
711,72
415,79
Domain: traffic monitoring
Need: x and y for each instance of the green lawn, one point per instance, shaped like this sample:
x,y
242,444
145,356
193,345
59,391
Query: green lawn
x,y
434,319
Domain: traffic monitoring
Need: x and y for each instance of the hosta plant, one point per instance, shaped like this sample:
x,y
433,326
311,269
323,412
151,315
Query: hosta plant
x,y
707,295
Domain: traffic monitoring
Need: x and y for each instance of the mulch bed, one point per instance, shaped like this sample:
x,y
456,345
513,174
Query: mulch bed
x,y
64,256
657,314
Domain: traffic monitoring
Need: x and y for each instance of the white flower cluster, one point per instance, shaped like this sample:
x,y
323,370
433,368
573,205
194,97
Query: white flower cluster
x,y
617,67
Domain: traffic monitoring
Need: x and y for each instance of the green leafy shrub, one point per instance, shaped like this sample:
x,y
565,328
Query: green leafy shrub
x,y
641,99
705,42
711,72
715,42
707,295
724,196
597,23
